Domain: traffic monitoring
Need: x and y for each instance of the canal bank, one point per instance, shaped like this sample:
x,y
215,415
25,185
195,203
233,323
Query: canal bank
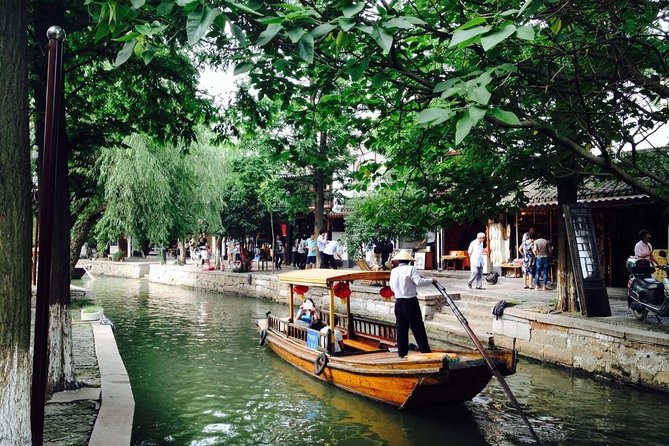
x,y
617,347
199,377
100,411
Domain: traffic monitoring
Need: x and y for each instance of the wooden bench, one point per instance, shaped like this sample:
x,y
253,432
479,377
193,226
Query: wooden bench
x,y
359,345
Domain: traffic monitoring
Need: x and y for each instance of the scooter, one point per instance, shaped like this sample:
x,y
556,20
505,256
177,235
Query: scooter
x,y
644,292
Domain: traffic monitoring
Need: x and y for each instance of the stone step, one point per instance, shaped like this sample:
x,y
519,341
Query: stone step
x,y
453,332
482,326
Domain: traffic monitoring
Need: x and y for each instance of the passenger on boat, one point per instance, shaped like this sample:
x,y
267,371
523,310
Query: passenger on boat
x,y
403,282
316,320
339,338
305,313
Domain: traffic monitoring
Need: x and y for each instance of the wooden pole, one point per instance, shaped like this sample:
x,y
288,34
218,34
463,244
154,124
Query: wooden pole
x,y
54,89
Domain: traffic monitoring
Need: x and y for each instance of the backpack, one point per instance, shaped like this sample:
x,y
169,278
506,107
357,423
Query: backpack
x,y
492,277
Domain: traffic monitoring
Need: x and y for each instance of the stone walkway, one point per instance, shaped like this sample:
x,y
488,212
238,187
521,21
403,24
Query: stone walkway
x,y
69,416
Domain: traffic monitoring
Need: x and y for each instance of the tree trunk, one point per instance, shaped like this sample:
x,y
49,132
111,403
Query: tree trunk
x,y
566,287
15,228
61,359
80,233
319,191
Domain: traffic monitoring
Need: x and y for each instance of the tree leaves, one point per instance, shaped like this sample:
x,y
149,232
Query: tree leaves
x,y
506,117
469,119
305,48
198,23
492,39
269,33
125,52
464,36
242,68
434,116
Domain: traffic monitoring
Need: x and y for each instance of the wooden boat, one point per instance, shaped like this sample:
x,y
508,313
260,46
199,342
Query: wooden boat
x,y
369,365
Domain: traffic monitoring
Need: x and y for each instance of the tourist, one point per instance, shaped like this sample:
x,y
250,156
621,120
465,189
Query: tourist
x,y
302,252
311,251
527,254
293,252
321,243
278,252
305,313
403,282
476,256
331,250
542,249
643,249
338,337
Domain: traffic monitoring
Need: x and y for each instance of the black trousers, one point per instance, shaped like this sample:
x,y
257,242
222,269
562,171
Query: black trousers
x,y
408,315
328,261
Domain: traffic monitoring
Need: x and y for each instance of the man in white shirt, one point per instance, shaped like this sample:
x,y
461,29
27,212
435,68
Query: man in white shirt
x,y
331,249
321,243
476,257
403,282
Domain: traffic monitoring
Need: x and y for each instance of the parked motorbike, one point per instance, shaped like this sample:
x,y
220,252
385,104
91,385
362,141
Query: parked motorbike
x,y
644,292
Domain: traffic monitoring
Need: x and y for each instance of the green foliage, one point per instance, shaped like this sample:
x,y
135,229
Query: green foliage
x,y
118,255
393,213
552,80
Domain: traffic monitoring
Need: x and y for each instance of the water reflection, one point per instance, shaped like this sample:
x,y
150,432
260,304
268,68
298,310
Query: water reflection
x,y
200,378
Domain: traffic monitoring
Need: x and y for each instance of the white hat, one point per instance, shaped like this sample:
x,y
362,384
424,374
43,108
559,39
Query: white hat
x,y
480,234
403,255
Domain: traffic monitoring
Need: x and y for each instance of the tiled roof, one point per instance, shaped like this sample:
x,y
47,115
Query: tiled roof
x,y
602,191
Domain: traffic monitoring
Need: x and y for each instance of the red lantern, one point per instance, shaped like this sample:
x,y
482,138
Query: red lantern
x,y
300,289
342,290
386,293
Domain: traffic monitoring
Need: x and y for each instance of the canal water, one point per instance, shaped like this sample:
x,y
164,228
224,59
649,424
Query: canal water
x,y
200,378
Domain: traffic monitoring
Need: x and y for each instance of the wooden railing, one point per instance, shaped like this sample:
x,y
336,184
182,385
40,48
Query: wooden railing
x,y
297,332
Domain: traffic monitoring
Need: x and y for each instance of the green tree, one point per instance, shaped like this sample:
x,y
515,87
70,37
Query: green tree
x,y
568,83
15,228
397,212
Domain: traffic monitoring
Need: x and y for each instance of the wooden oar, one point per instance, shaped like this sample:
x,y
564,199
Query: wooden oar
x,y
487,358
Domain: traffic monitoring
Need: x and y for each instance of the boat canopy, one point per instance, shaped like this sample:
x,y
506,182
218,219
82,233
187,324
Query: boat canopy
x,y
326,277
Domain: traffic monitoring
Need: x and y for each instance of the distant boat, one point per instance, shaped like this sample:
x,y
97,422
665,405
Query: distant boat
x,y
77,273
369,365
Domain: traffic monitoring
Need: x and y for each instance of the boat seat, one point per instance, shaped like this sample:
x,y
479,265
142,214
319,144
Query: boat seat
x,y
359,345
381,340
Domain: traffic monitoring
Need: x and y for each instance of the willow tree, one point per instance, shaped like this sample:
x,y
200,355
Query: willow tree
x,y
15,225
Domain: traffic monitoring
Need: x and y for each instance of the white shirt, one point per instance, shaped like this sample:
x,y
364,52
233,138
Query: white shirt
x,y
322,241
337,335
331,248
475,254
404,279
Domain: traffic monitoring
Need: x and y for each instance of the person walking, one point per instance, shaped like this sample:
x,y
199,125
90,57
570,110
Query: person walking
x,y
542,249
476,256
321,243
311,252
295,259
404,279
302,252
526,251
278,252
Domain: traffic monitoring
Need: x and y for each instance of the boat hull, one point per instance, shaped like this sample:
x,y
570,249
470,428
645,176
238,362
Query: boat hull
x,y
435,378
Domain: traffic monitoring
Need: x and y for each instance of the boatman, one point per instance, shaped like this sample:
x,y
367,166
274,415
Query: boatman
x,y
403,282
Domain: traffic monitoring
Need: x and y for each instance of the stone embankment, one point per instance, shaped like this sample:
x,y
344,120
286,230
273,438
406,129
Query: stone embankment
x,y
618,347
